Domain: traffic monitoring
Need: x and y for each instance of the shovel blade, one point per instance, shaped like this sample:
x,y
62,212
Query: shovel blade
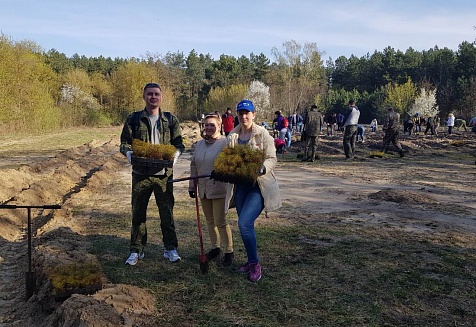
x,y
30,280
203,260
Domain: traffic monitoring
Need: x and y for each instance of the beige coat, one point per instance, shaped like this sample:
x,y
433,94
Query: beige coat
x,y
202,164
268,184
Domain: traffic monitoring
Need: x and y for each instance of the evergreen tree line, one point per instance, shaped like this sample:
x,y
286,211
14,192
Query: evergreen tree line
x,y
43,91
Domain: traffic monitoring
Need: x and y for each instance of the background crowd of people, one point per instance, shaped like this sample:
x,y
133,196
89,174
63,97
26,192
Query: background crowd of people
x,y
354,131
285,129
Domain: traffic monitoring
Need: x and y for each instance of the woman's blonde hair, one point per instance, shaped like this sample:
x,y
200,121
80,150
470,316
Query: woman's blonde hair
x,y
215,116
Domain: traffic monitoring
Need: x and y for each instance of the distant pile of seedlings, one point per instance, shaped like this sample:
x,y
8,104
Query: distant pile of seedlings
x,y
238,164
458,143
153,151
377,154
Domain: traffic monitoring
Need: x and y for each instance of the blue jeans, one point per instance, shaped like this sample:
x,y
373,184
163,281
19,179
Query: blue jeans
x,y
289,135
282,134
249,204
299,127
360,133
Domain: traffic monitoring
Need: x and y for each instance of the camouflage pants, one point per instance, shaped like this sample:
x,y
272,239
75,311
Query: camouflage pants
x,y
391,137
142,188
311,147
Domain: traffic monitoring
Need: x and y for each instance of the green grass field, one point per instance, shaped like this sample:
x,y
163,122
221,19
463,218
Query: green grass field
x,y
313,275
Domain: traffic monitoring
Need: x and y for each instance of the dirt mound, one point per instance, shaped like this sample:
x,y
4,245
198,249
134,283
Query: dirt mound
x,y
116,305
13,181
402,196
190,133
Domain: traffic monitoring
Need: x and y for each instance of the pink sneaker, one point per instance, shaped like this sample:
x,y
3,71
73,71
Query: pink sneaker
x,y
245,269
255,272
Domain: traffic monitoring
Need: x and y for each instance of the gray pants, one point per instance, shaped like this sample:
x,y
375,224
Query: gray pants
x,y
350,136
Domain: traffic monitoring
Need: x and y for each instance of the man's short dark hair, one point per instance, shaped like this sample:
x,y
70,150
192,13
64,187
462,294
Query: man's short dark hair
x,y
351,102
151,85
277,112
314,106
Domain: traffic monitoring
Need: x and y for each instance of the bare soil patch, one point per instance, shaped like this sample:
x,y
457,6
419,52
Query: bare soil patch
x,y
429,191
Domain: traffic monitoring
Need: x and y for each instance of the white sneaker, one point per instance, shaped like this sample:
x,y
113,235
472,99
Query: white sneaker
x,y
141,255
172,255
133,258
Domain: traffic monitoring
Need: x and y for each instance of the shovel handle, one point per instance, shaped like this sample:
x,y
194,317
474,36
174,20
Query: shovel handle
x,y
188,178
14,206
199,224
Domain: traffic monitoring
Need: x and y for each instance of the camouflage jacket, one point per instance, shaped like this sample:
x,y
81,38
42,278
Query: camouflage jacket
x,y
313,123
137,126
391,122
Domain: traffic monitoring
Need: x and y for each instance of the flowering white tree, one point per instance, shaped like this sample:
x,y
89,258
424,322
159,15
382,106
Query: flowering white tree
x,y
73,95
425,104
81,106
258,93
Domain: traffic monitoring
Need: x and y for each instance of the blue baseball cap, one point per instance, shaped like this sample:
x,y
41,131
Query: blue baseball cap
x,y
245,105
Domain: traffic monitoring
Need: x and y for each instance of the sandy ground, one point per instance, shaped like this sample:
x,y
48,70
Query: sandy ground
x,y
430,190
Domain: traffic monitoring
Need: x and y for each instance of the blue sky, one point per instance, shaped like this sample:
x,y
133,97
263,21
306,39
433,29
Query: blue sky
x,y
132,28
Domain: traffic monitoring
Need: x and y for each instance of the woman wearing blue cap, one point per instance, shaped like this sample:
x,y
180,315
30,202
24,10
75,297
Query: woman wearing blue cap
x,y
252,198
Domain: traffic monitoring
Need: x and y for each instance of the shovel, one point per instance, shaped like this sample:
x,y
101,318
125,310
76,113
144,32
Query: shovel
x,y
203,259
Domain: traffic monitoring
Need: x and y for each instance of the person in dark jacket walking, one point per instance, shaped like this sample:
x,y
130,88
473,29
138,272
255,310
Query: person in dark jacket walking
x,y
155,126
331,122
312,126
391,127
430,126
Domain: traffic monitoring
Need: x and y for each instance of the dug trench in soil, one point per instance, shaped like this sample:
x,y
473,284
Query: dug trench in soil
x,y
56,244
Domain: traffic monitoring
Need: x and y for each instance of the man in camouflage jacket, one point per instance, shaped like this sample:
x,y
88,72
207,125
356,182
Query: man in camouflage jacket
x,y
154,126
312,127
391,127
